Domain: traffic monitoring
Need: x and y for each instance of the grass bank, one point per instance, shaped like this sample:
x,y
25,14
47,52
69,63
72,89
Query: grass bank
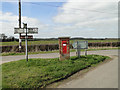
x,y
37,73
55,51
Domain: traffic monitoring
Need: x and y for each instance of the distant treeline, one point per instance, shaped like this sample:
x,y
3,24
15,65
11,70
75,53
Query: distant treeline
x,y
9,40
38,39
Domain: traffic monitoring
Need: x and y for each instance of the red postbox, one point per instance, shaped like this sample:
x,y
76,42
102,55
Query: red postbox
x,y
64,48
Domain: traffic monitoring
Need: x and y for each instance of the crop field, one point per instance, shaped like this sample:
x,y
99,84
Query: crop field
x,y
49,42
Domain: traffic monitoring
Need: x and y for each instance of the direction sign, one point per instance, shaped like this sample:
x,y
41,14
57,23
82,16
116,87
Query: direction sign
x,y
78,45
74,45
18,30
26,31
32,30
23,31
28,37
82,44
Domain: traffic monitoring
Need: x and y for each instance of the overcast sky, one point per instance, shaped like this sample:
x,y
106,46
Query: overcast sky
x,y
55,19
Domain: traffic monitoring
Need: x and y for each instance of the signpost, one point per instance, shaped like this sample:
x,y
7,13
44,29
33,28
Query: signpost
x,y
18,30
32,30
78,45
23,30
26,31
28,36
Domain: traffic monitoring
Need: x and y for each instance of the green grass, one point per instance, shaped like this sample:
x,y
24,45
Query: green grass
x,y
50,42
23,53
37,73
54,51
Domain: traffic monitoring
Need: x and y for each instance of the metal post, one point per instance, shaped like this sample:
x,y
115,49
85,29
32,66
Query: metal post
x,y
20,25
85,52
25,26
26,49
86,48
78,50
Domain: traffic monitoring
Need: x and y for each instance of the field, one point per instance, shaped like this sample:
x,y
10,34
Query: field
x,y
37,73
50,42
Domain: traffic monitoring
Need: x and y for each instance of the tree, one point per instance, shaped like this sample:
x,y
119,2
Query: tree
x,y
3,36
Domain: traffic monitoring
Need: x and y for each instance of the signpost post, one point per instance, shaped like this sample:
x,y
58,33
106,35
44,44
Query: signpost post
x,y
26,31
80,45
20,45
25,27
78,49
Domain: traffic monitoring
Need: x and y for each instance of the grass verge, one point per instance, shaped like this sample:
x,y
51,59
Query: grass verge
x,y
55,51
37,73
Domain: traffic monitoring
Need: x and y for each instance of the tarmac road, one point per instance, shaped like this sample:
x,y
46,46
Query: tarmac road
x,y
55,55
104,76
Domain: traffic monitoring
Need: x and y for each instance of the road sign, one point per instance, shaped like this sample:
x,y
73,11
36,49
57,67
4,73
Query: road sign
x,y
22,30
28,37
32,30
82,44
78,45
74,45
26,31
19,30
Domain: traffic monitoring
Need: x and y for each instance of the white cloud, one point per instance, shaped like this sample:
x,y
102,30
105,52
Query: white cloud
x,y
9,21
86,11
89,19
62,0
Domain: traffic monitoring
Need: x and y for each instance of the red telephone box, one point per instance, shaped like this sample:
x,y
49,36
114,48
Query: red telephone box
x,y
64,48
